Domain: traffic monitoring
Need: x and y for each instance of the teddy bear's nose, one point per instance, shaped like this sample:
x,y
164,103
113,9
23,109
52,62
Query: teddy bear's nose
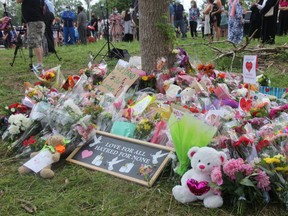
x,y
202,167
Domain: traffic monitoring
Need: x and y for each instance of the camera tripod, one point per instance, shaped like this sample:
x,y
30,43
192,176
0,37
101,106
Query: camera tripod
x,y
19,42
108,43
19,46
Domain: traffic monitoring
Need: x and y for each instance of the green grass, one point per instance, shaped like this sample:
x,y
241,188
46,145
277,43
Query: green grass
x,y
76,190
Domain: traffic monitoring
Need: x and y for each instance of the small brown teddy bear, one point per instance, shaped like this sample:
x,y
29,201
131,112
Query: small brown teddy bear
x,y
56,144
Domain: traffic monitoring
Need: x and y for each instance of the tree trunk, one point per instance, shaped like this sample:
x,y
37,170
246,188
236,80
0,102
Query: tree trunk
x,y
153,42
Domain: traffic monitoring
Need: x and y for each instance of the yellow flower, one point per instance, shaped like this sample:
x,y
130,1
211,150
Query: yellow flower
x,y
271,160
144,78
279,156
147,127
279,189
32,93
282,169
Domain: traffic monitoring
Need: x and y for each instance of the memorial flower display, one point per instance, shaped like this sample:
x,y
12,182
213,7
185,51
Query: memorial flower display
x,y
170,107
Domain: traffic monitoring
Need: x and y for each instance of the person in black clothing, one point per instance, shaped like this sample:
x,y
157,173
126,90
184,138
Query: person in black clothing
x,y
255,21
128,34
48,20
94,23
33,16
269,21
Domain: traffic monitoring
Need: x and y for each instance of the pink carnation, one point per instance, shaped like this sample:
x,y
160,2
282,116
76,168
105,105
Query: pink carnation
x,y
263,181
247,168
232,167
216,176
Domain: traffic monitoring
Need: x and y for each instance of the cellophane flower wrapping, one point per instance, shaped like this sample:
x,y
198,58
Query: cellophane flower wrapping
x,y
186,132
52,77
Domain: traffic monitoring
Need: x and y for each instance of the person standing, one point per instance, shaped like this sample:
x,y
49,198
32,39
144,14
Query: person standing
x,y
283,17
33,16
128,34
255,21
208,30
116,25
224,22
235,22
94,24
49,17
68,17
216,13
82,25
269,11
193,18
178,17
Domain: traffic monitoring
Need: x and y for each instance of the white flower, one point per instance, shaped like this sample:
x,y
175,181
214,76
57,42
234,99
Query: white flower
x,y
11,119
13,129
20,120
26,122
70,104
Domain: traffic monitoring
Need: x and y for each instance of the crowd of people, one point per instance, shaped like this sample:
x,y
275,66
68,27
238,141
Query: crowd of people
x,y
121,27
42,31
215,20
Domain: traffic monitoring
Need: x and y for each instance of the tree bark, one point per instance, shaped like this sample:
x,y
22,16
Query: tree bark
x,y
153,42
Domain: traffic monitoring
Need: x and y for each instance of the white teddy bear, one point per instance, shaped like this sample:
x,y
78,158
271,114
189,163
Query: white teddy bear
x,y
195,182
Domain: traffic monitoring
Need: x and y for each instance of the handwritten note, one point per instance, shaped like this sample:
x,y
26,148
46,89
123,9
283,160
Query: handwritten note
x,y
117,80
249,69
41,160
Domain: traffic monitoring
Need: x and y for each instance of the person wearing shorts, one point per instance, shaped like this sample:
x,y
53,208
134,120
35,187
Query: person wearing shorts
x,y
33,16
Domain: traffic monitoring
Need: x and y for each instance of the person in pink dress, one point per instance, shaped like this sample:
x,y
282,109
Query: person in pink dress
x,y
116,25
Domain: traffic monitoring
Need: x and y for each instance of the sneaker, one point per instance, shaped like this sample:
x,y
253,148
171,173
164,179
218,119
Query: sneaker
x,y
37,68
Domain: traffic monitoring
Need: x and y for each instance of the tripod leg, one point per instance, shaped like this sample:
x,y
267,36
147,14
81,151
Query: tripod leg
x,y
59,58
31,58
100,51
15,54
116,51
22,54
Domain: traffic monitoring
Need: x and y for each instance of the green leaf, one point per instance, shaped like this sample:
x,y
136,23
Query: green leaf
x,y
247,182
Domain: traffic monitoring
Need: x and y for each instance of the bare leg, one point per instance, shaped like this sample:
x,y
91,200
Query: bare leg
x,y
39,54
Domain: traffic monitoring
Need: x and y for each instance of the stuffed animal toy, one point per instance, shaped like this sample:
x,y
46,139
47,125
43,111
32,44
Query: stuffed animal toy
x,y
56,144
195,182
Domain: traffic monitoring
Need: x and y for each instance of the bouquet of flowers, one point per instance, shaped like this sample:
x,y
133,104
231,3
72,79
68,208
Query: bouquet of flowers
x,y
207,70
52,78
242,183
95,72
143,129
63,116
17,108
147,81
277,169
18,123
36,93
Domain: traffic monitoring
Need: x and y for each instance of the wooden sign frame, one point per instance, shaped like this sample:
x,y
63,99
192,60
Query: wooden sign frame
x,y
147,183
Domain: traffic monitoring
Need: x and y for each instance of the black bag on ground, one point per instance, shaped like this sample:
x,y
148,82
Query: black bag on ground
x,y
119,53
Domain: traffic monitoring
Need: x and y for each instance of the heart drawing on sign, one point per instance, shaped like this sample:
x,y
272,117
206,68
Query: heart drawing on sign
x,y
249,66
86,154
245,105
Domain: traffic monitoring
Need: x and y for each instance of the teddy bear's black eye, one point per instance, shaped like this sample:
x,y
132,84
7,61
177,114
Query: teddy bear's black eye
x,y
199,161
208,164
